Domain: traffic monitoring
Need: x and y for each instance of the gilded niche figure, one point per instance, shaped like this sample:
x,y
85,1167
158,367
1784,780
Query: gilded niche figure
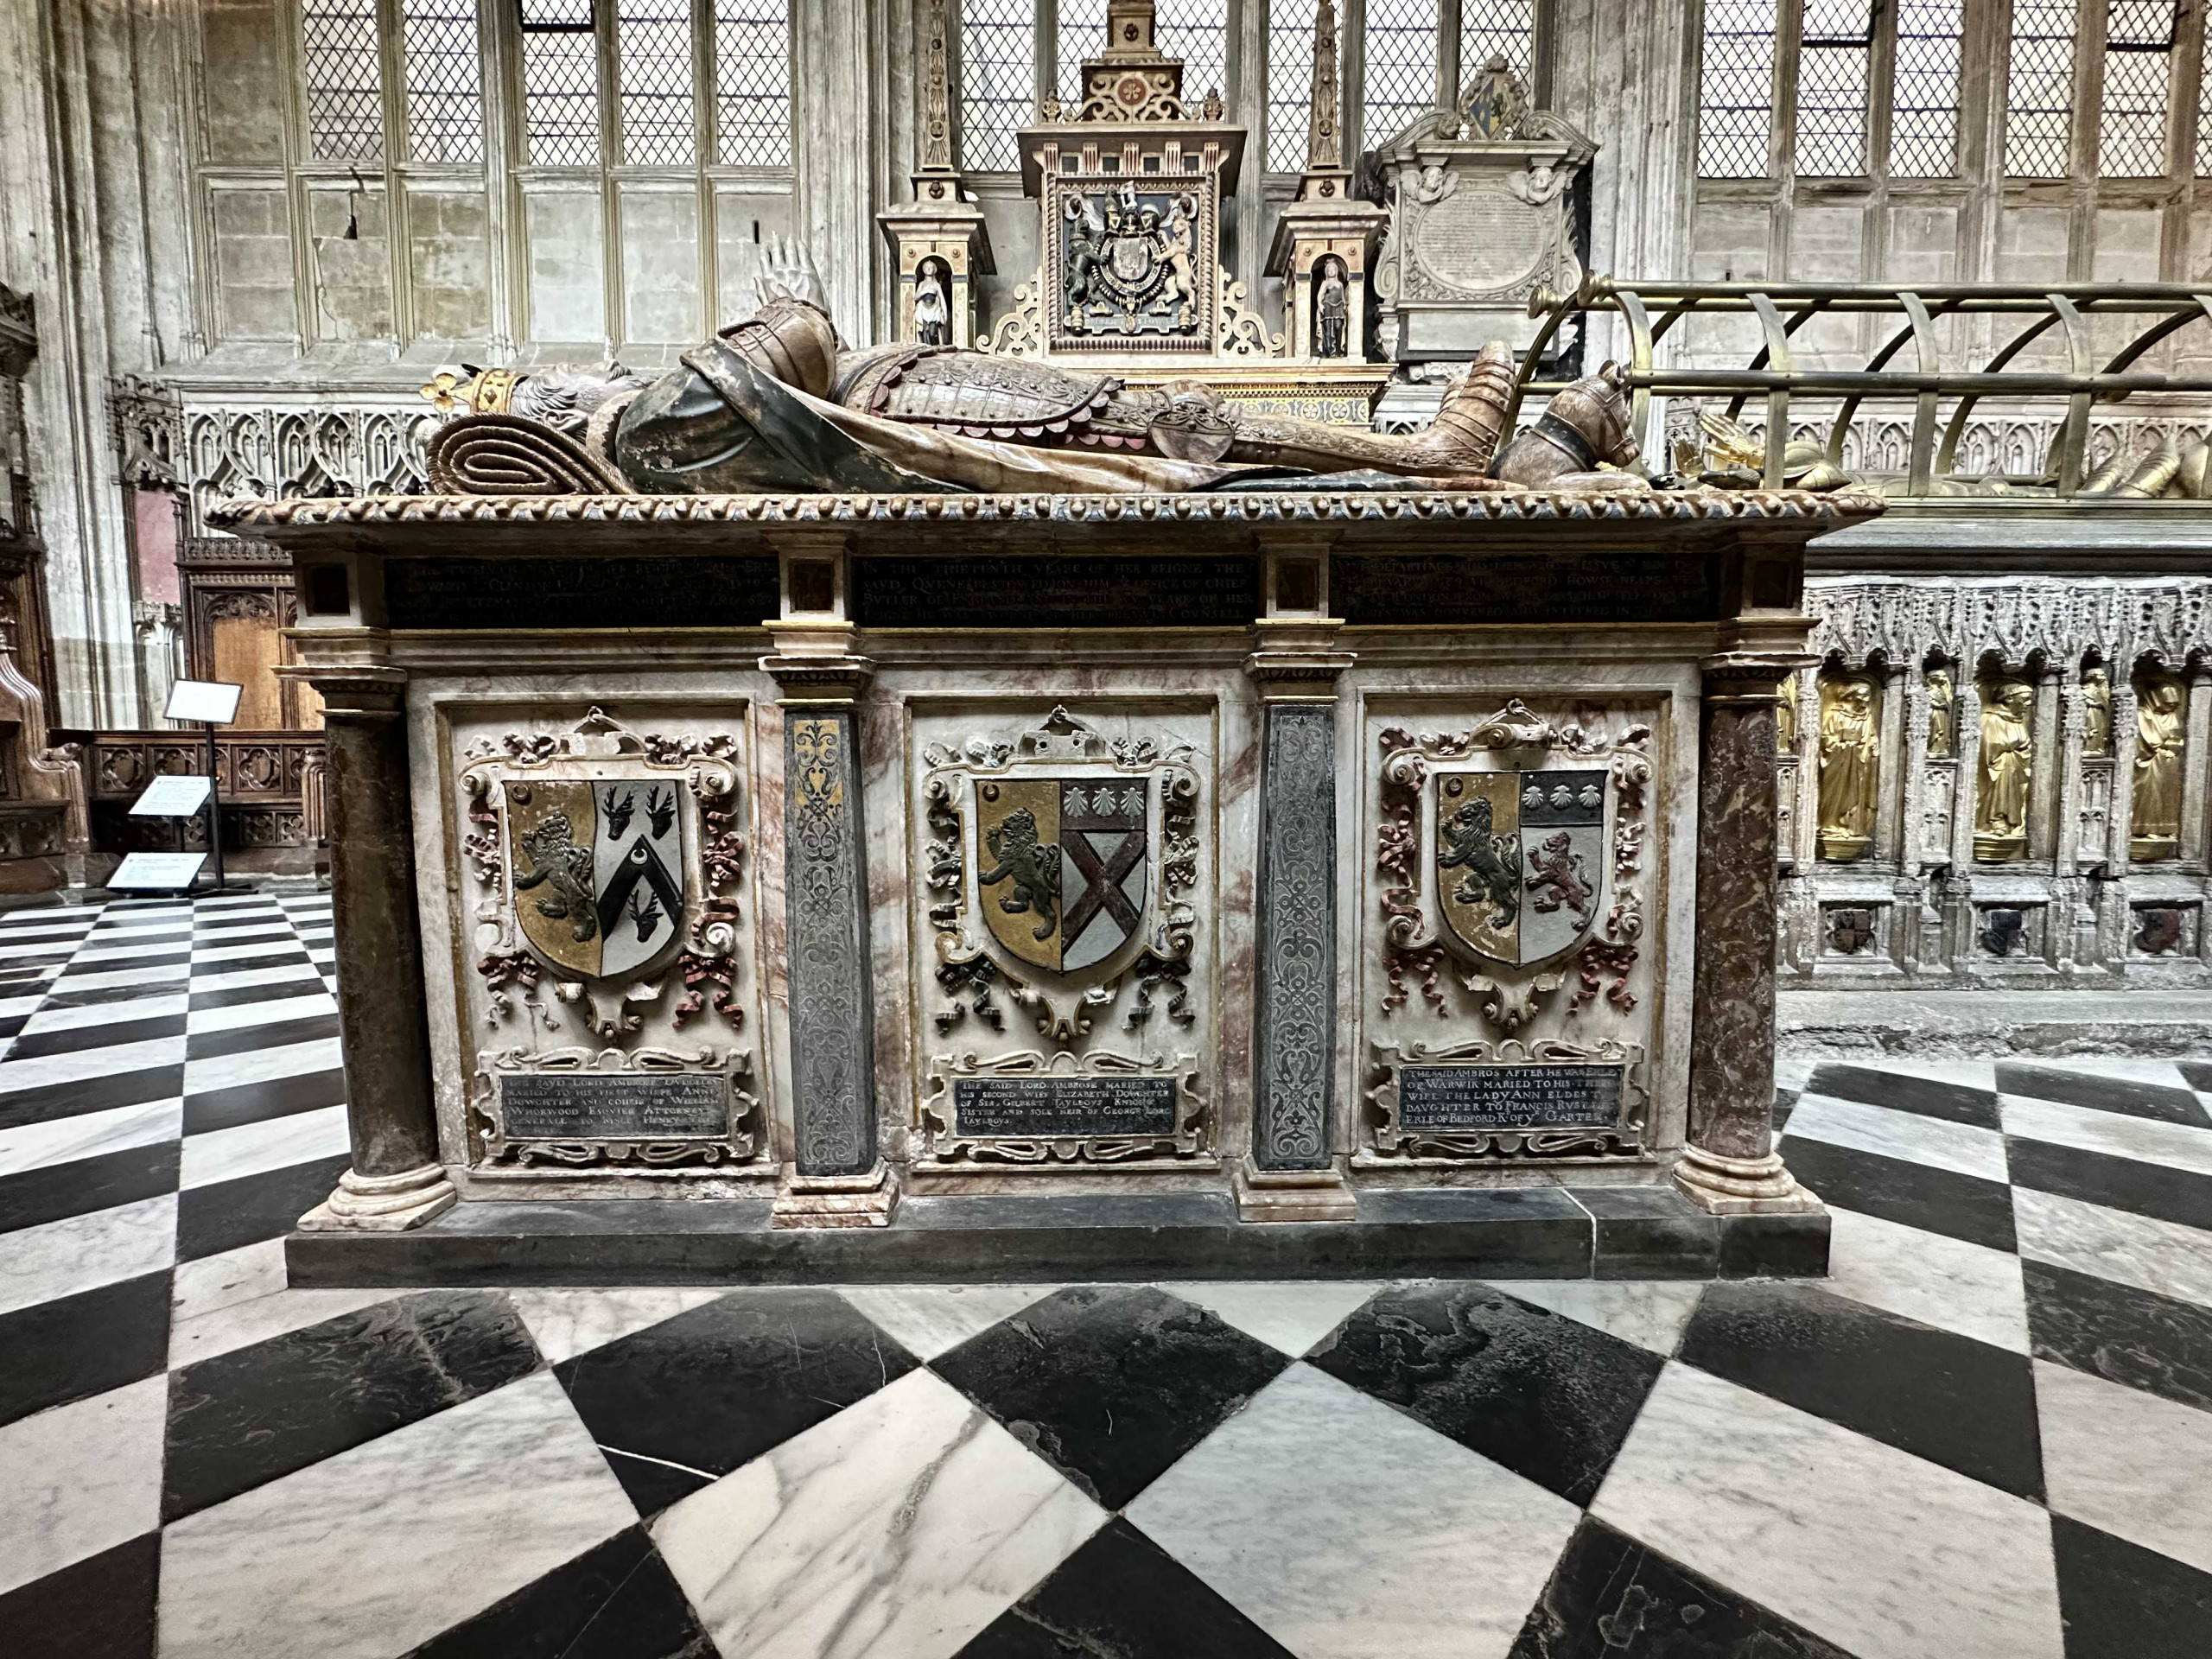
x,y
2096,711
1785,717
1849,742
2000,809
2161,715
1942,714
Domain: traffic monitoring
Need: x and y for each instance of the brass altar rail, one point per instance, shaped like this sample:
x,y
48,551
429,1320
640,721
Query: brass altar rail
x,y
1651,310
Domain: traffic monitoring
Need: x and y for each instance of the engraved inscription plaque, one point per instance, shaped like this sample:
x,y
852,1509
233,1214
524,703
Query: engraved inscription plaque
x,y
1029,1107
738,591
1013,591
1532,1097
604,1106
1449,587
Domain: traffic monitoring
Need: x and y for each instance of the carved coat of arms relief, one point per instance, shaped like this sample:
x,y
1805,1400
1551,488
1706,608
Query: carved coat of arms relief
x,y
606,863
1059,865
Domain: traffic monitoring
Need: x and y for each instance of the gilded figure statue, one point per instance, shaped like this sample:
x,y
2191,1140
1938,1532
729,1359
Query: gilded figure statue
x,y
2161,717
2000,808
1942,714
1785,717
1850,737
2096,711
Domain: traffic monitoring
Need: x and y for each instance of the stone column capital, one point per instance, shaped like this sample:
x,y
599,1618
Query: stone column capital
x,y
814,662
1297,660
356,690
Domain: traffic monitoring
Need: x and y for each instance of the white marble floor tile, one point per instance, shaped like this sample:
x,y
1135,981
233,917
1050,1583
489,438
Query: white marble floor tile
x,y
2116,1133
257,1318
34,1146
252,1148
1347,1530
81,1063
107,1014
231,932
238,979
1650,1313
1883,1554
224,1279
78,1479
565,1323
213,956
262,1065
2162,1256
901,1526
1289,1317
1959,1147
268,1011
108,979
2134,1465
13,1007
101,949
60,1258
2135,1068
1938,1281
1967,1073
18,948
927,1320
376,1550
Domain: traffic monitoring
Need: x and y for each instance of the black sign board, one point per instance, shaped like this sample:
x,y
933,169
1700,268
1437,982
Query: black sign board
x,y
1025,1107
1375,589
737,592
1076,592
1540,1096
613,1106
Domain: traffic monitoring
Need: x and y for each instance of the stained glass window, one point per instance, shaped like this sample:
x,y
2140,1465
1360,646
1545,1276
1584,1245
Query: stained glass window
x,y
445,86
1290,81
344,80
1735,90
1401,67
753,82
2138,77
998,90
560,82
1504,28
1925,91
2039,90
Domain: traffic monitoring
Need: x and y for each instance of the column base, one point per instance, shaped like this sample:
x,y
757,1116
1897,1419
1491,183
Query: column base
x,y
1738,1186
1292,1194
383,1204
868,1200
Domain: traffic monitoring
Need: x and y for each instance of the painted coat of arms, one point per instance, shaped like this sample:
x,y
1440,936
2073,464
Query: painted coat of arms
x,y
1520,860
599,872
1128,261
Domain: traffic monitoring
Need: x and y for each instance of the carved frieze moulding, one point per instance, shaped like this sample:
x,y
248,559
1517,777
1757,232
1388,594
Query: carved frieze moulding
x,y
607,865
1060,864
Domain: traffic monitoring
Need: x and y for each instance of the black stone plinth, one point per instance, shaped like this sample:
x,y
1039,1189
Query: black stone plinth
x,y
1449,1233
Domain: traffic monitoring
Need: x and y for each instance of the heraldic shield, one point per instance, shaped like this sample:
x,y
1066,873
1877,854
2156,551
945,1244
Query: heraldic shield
x,y
1062,867
1520,860
598,872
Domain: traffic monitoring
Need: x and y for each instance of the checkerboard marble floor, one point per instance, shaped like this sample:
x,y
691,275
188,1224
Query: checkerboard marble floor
x,y
1990,1434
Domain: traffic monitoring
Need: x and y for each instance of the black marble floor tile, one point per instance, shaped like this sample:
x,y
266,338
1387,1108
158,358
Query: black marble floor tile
x,y
101,1607
1122,1597
1548,1396
80,1095
682,1402
1788,1246
239,995
2166,1102
1958,1102
1110,1384
1937,1395
84,1185
1610,1598
2120,1334
2199,1073
248,1040
1914,1195
256,1103
243,1419
94,996
71,1039
169,950
2148,1189
1785,1101
74,1346
618,1601
2122,1601
227,1214
277,955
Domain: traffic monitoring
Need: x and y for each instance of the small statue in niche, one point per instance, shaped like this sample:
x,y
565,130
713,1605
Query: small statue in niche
x,y
1332,308
2000,809
2003,931
1942,715
1785,717
2096,710
932,309
1849,741
2159,931
2160,718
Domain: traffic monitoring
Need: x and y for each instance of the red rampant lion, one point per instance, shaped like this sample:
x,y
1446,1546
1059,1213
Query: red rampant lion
x,y
1561,876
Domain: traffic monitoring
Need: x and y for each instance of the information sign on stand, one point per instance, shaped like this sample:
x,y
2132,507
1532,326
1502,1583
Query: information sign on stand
x,y
173,796
209,703
156,872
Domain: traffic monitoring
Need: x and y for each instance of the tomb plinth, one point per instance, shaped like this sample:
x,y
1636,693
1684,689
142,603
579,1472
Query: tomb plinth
x,y
864,887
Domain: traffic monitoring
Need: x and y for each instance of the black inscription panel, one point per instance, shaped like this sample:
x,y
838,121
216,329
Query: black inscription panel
x,y
1055,592
740,592
1379,588
1023,1107
1534,1096
606,1106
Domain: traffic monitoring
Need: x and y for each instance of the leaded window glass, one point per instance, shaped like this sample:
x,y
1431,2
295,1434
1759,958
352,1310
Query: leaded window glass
x,y
1834,47
1082,26
560,82
1925,91
998,88
2204,110
1401,67
344,80
1290,82
1196,31
2039,90
445,86
2138,80
1498,28
653,52
1735,90
753,82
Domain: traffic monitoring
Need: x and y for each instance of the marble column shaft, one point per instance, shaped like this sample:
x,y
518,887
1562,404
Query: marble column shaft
x,y
825,899
1294,1029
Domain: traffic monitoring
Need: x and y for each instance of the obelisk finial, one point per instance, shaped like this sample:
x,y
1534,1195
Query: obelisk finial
x,y
936,128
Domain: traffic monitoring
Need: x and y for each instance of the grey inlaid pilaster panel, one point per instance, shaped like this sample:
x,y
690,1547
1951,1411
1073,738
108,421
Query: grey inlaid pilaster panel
x,y
1295,1031
825,910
